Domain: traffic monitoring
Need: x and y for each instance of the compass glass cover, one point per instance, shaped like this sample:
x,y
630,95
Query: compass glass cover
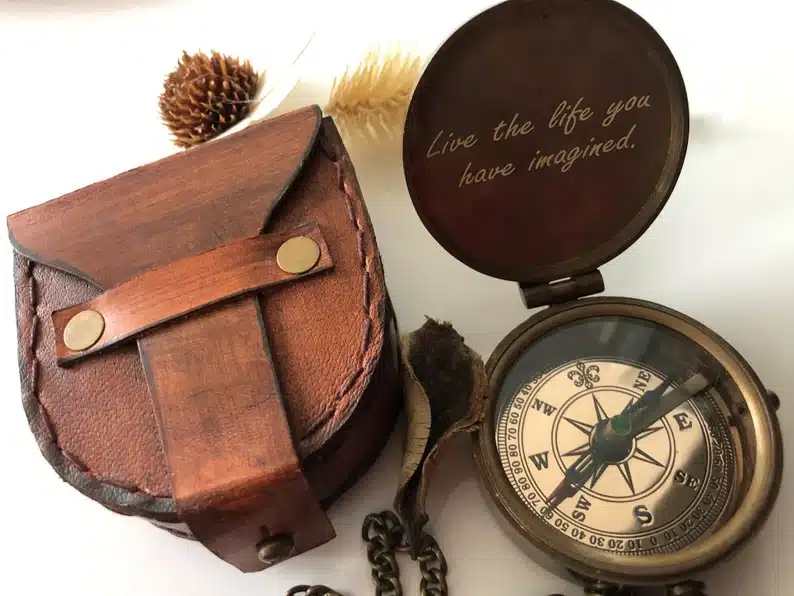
x,y
617,433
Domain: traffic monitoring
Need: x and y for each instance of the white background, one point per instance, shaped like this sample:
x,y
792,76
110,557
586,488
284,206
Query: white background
x,y
78,86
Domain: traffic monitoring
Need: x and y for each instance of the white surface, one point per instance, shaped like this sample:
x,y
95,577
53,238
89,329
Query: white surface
x,y
78,102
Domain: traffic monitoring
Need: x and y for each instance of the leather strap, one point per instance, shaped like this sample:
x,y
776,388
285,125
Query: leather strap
x,y
235,476
184,286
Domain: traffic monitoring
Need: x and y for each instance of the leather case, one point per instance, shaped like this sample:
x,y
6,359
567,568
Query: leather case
x,y
223,396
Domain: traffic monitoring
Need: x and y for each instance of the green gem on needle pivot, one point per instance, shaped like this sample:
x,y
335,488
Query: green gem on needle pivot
x,y
613,441
620,425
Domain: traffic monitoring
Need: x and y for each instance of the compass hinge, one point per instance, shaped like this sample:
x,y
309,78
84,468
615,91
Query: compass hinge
x,y
562,290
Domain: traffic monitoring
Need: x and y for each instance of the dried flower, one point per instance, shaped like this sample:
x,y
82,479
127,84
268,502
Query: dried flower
x,y
372,100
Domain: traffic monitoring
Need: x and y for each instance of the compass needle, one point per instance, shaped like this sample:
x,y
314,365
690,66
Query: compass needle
x,y
647,432
652,477
621,439
577,451
573,478
654,465
599,470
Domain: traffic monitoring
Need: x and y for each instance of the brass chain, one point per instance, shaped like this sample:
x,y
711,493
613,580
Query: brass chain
x,y
384,535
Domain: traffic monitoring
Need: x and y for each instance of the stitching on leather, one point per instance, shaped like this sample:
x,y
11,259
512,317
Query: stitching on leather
x,y
364,367
40,417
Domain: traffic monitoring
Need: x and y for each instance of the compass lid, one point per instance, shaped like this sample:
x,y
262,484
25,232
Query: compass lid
x,y
544,137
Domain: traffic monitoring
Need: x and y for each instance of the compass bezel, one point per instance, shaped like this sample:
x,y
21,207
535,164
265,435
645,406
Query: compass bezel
x,y
757,495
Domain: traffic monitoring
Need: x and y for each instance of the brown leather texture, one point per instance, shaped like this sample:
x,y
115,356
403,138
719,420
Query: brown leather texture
x,y
170,209
311,364
184,286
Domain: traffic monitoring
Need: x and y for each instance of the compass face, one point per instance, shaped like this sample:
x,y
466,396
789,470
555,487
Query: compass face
x,y
611,431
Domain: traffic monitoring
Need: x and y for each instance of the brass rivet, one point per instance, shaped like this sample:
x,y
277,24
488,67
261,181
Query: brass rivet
x,y
83,330
298,255
275,549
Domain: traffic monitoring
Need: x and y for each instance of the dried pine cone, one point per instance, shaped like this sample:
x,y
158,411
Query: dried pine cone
x,y
205,96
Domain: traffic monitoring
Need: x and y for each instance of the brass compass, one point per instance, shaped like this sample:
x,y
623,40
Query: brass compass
x,y
627,442
624,443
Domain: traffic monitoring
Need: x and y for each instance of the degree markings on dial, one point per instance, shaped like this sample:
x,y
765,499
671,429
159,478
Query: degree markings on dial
x,y
571,411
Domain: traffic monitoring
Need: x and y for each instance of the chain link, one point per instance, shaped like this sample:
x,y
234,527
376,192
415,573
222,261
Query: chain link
x,y
385,536
433,566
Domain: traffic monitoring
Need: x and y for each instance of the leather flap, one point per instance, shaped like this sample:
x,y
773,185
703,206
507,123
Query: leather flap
x,y
181,205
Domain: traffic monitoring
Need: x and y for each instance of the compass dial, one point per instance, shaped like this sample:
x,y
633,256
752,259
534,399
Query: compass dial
x,y
611,431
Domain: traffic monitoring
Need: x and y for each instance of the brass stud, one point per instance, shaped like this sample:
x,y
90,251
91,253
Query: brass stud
x,y
298,255
83,330
772,400
275,549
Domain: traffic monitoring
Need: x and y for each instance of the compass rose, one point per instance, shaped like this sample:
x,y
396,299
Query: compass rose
x,y
625,468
